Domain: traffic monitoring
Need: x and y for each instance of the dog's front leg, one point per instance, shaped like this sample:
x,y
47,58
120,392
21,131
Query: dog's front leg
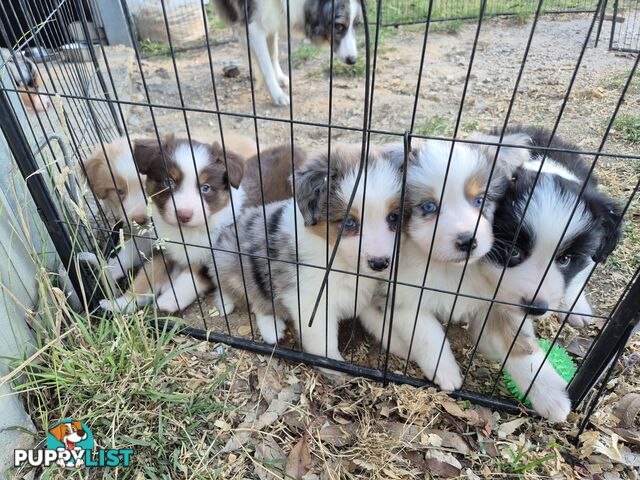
x,y
183,292
258,43
548,394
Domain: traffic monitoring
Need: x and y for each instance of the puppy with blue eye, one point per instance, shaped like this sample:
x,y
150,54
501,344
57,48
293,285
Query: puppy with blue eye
x,y
449,194
192,186
323,186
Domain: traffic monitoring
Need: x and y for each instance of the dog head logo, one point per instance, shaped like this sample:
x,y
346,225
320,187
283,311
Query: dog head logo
x,y
70,435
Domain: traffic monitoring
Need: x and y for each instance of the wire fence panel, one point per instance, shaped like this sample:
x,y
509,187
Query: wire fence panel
x,y
399,12
401,206
625,28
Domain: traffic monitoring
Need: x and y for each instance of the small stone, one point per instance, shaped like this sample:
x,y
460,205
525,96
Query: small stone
x,y
230,71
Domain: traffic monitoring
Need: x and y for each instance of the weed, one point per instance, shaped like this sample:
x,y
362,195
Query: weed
x,y
437,125
304,53
628,127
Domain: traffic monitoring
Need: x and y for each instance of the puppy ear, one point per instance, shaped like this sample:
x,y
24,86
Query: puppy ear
x,y
97,173
147,154
311,190
509,158
58,432
609,213
395,153
235,168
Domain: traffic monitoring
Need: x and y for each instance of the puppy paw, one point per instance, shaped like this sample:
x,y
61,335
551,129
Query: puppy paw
x,y
167,302
280,99
271,331
229,307
448,376
579,321
121,304
554,404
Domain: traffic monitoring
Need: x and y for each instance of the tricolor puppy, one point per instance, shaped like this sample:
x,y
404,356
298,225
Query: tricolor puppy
x,y
323,188
321,21
195,191
113,176
551,234
434,257
562,232
26,77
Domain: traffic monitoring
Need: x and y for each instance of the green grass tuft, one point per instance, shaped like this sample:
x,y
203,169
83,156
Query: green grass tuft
x,y
304,53
628,127
437,125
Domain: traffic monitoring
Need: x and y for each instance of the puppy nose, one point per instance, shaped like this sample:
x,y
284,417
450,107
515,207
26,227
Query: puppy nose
x,y
184,215
537,308
379,263
140,219
350,60
466,242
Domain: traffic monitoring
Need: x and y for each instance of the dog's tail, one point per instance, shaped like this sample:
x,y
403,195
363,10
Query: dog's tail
x,y
232,11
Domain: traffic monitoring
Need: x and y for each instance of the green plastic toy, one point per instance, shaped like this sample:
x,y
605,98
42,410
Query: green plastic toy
x,y
559,359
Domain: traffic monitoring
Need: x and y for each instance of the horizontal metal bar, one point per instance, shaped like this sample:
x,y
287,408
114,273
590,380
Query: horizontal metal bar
x,y
324,362
323,125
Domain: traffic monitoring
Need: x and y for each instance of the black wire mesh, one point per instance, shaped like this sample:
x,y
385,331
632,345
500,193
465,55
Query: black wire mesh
x,y
92,107
625,25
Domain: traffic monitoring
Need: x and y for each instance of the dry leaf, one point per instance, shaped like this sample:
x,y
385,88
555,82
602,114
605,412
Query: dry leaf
x,y
299,461
442,464
269,455
470,415
337,435
508,428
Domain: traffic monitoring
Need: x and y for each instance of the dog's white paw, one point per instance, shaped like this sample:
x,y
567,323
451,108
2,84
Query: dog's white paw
x,y
167,302
448,376
552,404
283,80
280,99
115,268
579,321
271,331
121,304
229,307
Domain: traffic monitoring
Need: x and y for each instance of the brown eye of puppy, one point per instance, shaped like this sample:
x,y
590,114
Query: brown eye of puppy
x,y
339,27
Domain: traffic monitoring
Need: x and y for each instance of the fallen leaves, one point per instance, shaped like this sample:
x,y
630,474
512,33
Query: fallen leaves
x,y
299,461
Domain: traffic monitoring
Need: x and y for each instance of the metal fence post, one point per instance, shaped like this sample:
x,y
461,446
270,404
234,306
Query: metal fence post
x,y
39,191
613,338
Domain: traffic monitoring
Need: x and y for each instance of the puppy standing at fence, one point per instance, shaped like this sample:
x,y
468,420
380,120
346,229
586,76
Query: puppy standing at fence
x,y
319,20
113,176
192,186
323,188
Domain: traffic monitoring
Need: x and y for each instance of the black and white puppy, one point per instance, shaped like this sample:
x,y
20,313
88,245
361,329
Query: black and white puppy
x,y
550,236
26,77
318,20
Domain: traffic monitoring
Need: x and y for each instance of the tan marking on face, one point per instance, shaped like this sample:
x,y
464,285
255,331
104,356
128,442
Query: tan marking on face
x,y
476,185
